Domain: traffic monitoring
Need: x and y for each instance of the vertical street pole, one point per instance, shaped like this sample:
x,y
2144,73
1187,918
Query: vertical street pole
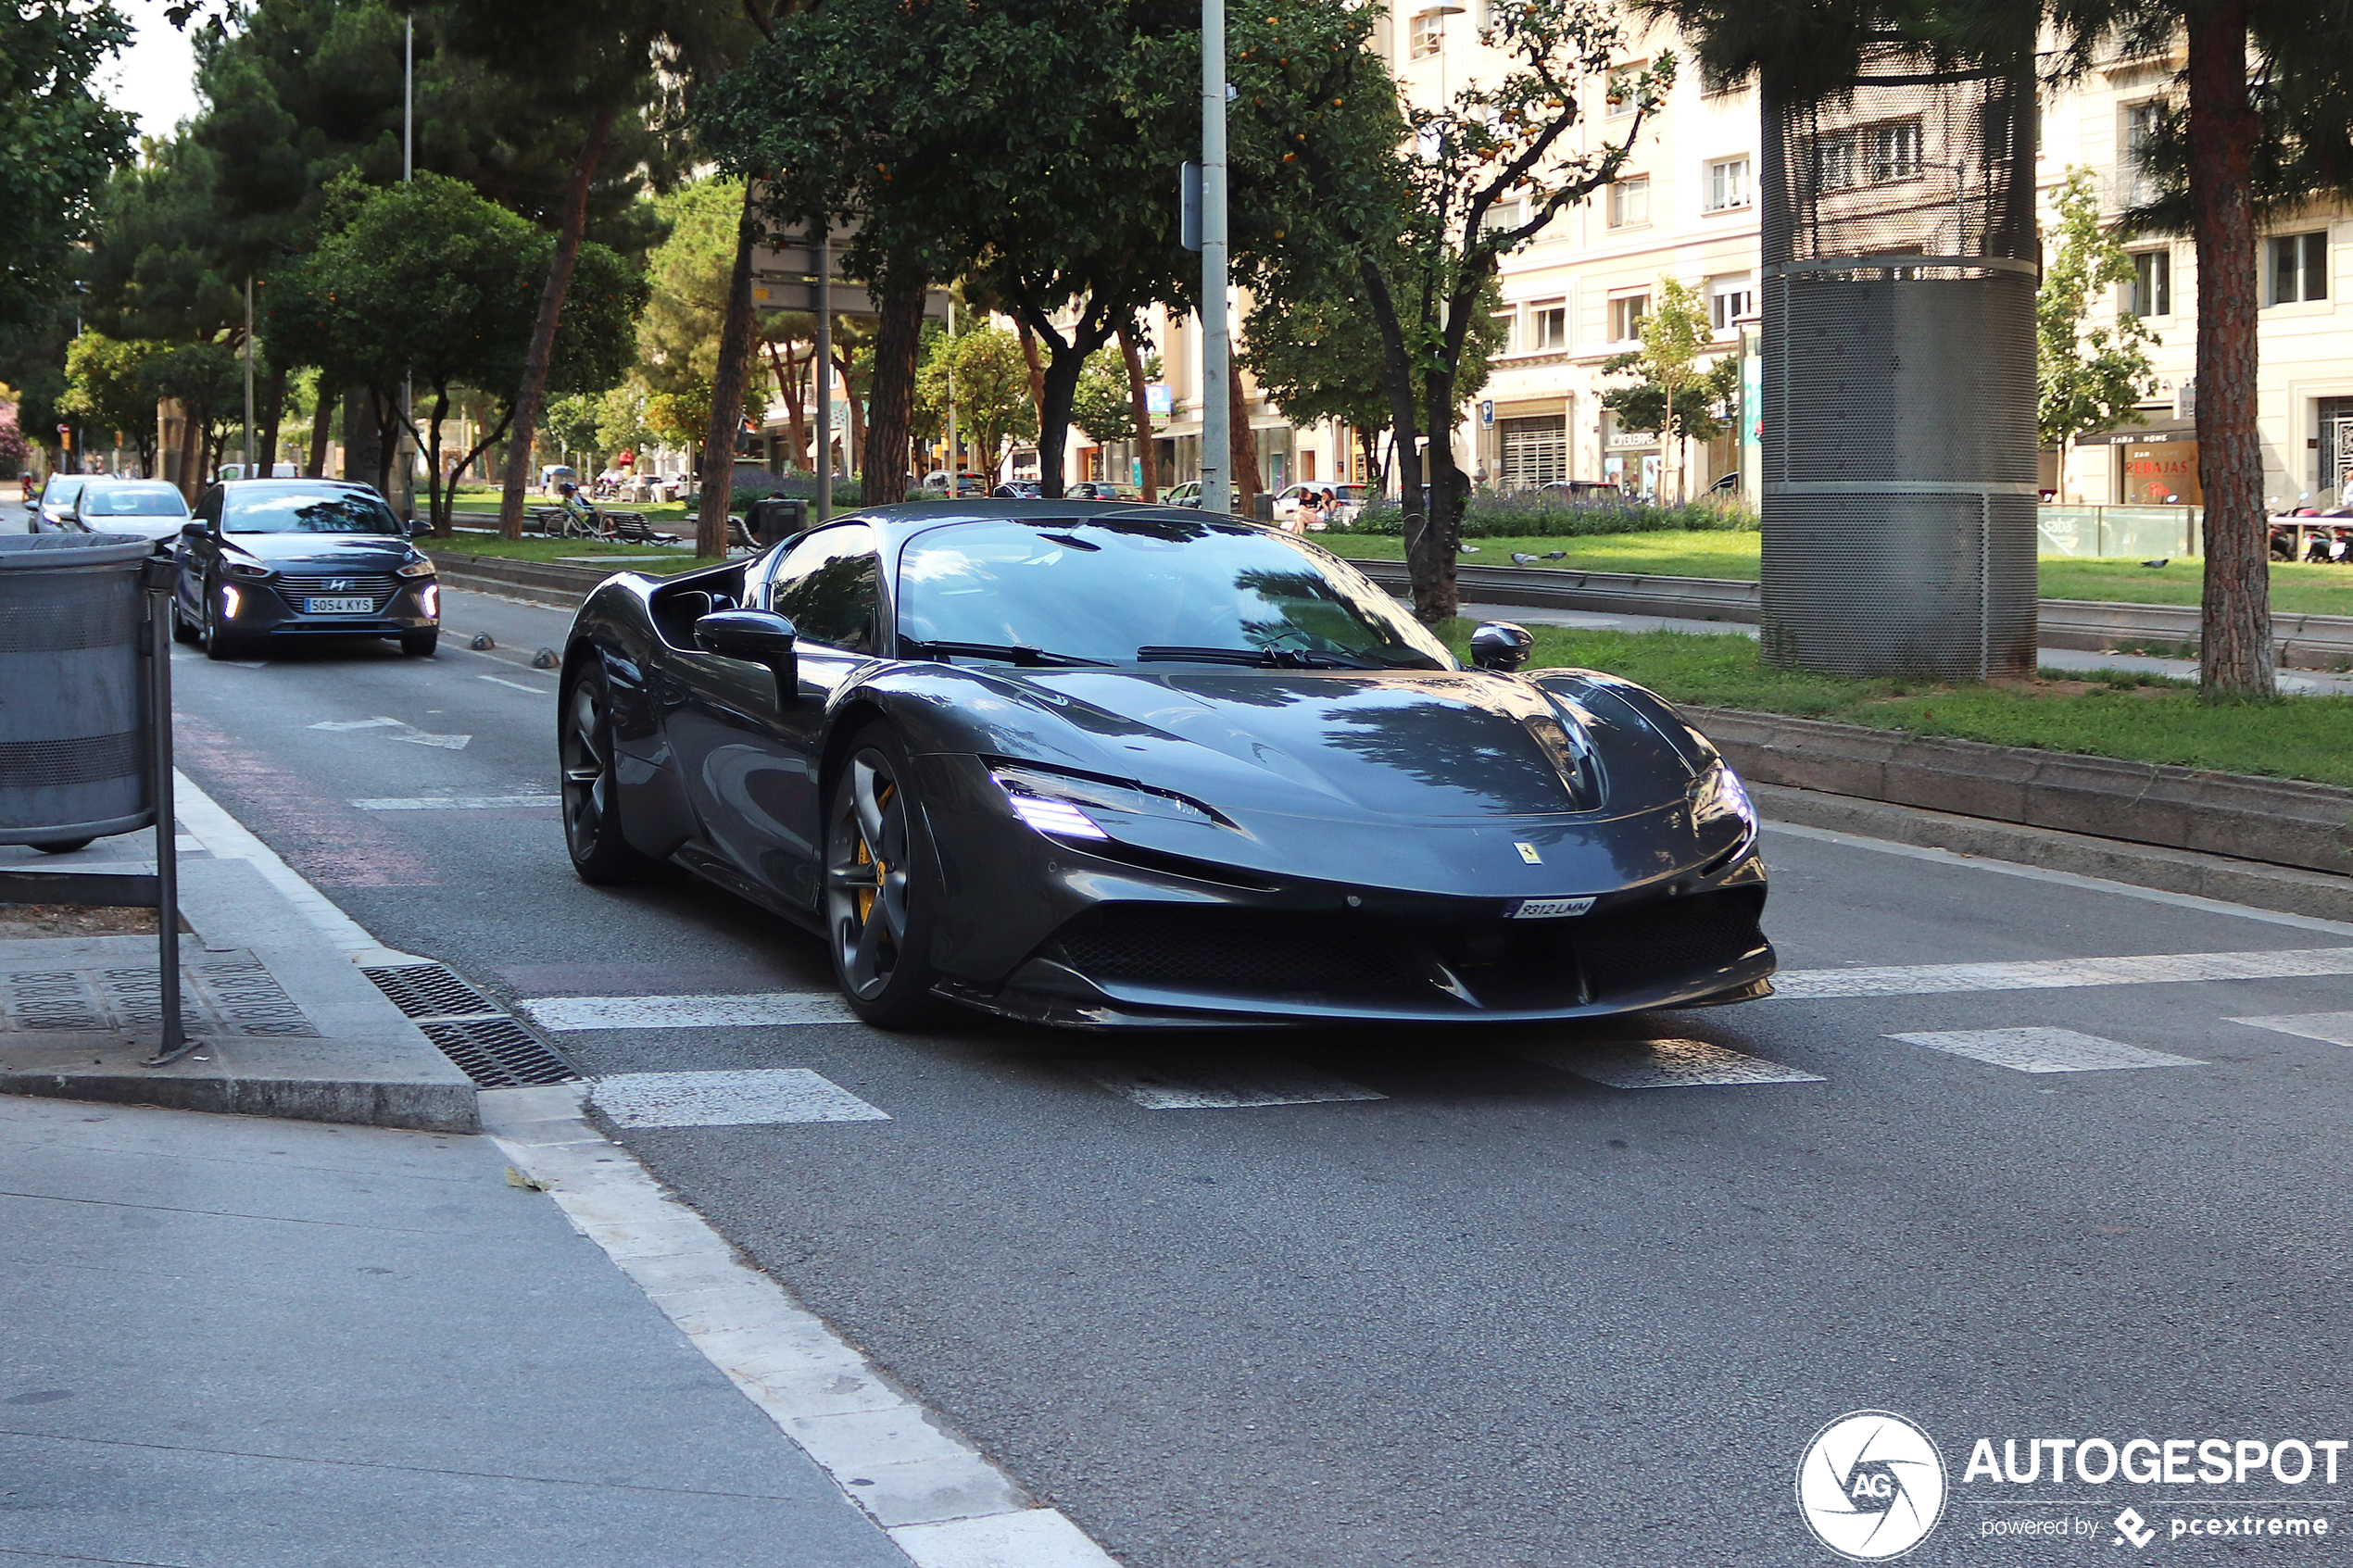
x,y
1217,409
825,373
156,579
954,467
246,455
408,173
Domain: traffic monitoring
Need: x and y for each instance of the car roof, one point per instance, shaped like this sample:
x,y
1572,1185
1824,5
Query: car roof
x,y
898,521
296,484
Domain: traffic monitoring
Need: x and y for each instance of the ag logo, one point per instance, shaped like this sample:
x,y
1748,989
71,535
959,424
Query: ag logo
x,y
1872,1486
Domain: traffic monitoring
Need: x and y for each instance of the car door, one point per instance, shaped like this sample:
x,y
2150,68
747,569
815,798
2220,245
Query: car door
x,y
750,759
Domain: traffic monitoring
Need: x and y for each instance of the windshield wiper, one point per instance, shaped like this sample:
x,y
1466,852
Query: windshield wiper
x,y
1262,657
1012,653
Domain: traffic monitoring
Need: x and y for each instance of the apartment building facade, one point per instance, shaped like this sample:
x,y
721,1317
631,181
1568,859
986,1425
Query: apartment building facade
x,y
1687,207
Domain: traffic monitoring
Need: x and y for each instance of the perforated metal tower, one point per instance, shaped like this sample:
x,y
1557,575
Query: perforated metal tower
x,y
1900,264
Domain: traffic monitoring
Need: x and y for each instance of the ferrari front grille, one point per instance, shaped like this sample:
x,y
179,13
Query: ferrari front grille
x,y
1190,945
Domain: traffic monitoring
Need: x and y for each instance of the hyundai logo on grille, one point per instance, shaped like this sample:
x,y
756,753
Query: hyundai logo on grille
x,y
338,584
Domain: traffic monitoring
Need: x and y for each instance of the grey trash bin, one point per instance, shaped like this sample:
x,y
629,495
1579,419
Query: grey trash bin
x,y
74,741
86,726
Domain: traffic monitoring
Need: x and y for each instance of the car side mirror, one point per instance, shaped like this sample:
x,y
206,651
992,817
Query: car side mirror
x,y
1501,646
757,637
194,529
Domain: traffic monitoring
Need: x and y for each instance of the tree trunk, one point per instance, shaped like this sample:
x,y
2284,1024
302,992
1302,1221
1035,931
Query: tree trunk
x,y
787,367
727,393
1140,401
1429,559
541,354
321,425
896,343
1058,390
854,455
191,454
274,408
2234,650
1242,443
1036,382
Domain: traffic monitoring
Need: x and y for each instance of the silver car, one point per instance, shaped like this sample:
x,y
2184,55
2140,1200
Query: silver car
x,y
150,508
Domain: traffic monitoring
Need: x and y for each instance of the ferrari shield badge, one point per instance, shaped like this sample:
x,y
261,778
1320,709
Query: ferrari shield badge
x,y
1527,853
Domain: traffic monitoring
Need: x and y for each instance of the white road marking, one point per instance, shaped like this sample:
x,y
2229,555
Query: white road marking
x,y
758,1097
516,686
2336,1028
756,1010
410,734
2044,1050
1665,1064
457,802
2063,879
942,1502
1218,1083
2045,974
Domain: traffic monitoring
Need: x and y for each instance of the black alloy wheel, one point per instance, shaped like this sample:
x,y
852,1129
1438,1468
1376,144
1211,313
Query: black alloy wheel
x,y
182,632
878,886
591,798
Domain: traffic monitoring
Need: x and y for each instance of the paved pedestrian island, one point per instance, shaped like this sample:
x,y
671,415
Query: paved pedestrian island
x,y
234,1342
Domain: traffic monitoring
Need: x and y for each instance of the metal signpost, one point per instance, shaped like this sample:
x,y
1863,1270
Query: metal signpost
x,y
1216,404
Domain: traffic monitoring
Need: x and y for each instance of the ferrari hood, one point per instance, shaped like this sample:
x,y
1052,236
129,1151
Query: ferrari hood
x,y
1388,744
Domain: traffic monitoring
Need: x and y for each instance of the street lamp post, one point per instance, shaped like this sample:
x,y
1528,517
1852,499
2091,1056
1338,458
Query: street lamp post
x,y
1216,347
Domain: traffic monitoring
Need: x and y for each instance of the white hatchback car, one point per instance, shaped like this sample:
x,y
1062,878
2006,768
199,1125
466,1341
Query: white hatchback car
x,y
150,508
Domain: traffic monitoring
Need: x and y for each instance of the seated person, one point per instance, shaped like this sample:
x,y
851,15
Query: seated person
x,y
576,509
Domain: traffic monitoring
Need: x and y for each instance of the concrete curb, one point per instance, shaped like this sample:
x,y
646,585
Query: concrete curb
x,y
2316,895
541,582
2271,822
2304,641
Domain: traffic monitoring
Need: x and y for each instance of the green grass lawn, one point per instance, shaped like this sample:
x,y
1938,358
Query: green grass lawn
x,y
2318,590
563,550
2137,718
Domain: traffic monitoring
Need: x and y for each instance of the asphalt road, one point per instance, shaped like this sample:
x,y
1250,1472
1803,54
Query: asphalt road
x,y
1504,1314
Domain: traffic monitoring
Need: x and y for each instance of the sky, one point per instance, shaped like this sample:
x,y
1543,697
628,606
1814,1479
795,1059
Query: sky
x,y
154,79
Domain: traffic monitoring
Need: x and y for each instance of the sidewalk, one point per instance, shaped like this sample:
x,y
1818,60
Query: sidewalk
x,y
234,1342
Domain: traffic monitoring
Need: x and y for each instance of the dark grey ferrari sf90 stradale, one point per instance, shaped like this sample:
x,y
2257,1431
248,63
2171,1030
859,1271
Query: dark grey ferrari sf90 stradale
x,y
1105,764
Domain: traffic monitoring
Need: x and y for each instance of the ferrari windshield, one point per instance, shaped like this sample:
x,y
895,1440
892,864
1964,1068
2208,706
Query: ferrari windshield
x,y
1120,589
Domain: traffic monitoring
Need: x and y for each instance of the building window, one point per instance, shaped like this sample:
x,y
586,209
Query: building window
x,y
1548,326
1424,35
1507,332
2295,266
1503,215
2140,122
2151,291
1729,299
1834,162
1626,313
1895,151
1622,96
1630,203
1727,183
1534,452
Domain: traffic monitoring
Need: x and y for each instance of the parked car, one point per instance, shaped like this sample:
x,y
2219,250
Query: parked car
x,y
1102,490
1018,490
149,509
936,484
1100,765
56,506
1580,490
1350,497
1185,495
273,558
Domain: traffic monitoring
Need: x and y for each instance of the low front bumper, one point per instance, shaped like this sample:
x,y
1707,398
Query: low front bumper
x,y
265,611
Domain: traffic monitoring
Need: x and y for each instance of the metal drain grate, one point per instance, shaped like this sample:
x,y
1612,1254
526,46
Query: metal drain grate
x,y
498,1053
230,994
431,990
472,1030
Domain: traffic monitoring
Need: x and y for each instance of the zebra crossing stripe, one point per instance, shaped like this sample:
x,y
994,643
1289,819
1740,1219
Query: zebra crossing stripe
x,y
761,1097
2042,974
2335,1028
1217,1083
1665,1064
2044,1050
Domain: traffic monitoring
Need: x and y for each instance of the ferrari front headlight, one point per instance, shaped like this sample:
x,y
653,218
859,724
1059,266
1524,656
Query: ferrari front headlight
x,y
1059,803
1717,793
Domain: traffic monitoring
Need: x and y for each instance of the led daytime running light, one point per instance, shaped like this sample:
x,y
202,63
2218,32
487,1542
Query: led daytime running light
x,y
1058,818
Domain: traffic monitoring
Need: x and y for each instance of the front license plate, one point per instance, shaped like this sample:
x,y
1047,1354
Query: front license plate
x,y
1551,909
355,605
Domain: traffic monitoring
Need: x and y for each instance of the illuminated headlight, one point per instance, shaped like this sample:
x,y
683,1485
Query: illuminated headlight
x,y
1717,794
1082,795
429,600
228,600
420,566
1058,818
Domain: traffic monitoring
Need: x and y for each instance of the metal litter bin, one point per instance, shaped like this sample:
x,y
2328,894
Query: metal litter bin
x,y
85,724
